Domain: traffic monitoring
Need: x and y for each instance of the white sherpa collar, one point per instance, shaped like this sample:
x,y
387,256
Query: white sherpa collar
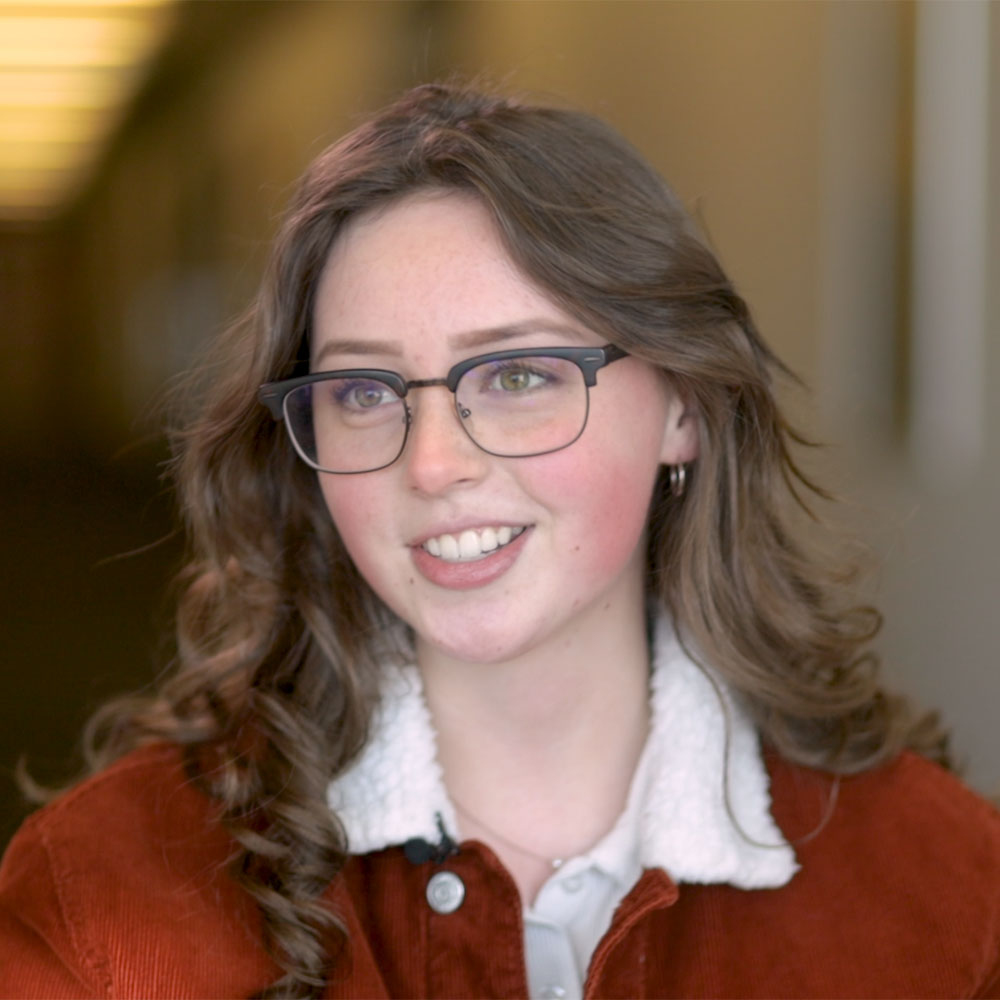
x,y
395,790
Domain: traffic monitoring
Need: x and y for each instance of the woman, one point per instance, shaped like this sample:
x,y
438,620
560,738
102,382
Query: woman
x,y
501,668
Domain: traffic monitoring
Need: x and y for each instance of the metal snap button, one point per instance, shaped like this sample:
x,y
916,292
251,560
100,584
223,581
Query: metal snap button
x,y
445,892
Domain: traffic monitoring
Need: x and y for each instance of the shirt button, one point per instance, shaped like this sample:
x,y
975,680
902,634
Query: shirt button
x,y
572,884
553,993
445,892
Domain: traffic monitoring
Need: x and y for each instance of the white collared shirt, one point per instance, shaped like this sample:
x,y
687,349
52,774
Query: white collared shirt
x,y
573,909
698,807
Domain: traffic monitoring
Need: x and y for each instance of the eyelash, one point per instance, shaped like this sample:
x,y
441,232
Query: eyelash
x,y
519,365
343,390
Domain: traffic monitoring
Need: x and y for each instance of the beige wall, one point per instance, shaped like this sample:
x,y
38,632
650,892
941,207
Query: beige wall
x,y
785,126
722,97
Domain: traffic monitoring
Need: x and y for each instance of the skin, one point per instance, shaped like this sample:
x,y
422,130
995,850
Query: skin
x,y
528,653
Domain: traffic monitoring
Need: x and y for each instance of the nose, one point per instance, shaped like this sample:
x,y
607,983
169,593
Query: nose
x,y
439,455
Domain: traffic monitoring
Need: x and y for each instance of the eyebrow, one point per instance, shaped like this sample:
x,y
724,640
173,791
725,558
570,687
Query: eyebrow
x,y
486,337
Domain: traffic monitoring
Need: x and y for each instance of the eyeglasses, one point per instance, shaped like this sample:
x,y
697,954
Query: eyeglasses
x,y
513,404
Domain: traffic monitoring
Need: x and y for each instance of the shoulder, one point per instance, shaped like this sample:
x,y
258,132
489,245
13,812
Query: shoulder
x,y
893,859
897,894
911,804
130,862
146,786
141,814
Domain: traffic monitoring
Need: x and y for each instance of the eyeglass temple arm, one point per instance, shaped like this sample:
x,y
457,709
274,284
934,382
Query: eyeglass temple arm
x,y
592,365
272,397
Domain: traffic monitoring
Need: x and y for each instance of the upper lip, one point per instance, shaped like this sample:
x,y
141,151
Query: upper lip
x,y
467,524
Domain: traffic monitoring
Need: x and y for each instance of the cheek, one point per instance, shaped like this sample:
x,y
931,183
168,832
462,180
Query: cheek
x,y
606,497
354,508
618,468
622,506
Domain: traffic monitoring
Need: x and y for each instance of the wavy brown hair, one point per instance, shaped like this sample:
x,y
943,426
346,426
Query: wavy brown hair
x,y
280,638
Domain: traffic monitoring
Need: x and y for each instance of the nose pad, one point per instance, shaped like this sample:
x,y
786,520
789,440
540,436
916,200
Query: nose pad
x,y
439,452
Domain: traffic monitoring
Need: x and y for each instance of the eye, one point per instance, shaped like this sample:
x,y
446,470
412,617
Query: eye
x,y
363,394
515,377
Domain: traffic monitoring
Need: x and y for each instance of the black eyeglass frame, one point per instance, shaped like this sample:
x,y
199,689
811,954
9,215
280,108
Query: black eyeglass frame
x,y
590,360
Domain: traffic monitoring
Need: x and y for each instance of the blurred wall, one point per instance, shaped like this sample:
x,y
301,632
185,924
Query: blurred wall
x,y
791,130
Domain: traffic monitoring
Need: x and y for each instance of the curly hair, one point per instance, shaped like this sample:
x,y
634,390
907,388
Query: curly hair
x,y
280,638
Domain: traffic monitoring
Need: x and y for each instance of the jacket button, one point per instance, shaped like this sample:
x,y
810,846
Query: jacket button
x,y
445,892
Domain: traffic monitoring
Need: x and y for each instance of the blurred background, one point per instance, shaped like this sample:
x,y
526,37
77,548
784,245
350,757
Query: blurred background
x,y
839,156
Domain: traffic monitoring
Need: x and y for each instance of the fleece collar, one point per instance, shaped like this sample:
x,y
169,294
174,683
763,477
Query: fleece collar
x,y
395,790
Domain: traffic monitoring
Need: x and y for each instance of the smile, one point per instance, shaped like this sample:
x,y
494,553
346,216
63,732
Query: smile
x,y
470,545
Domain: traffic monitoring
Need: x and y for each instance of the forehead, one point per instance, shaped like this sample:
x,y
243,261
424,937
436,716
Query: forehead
x,y
427,267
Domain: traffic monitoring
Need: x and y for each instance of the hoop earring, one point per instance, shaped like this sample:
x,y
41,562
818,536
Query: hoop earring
x,y
678,479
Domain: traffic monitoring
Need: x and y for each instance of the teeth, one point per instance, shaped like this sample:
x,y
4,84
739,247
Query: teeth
x,y
471,544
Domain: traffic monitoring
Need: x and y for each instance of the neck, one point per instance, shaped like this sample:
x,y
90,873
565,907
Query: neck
x,y
540,750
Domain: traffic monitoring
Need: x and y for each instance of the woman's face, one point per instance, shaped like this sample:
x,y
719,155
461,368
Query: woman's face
x,y
416,288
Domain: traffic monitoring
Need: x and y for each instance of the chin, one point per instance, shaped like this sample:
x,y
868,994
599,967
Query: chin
x,y
484,651
476,642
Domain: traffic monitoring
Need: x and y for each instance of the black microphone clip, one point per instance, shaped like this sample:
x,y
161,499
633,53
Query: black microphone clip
x,y
418,850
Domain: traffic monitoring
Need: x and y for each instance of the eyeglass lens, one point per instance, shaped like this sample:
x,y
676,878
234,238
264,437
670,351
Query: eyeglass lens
x,y
511,407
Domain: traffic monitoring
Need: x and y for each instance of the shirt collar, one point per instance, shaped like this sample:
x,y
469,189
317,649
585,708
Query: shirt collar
x,y
677,804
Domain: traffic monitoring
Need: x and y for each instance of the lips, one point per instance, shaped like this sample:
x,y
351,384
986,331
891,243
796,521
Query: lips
x,y
480,565
471,544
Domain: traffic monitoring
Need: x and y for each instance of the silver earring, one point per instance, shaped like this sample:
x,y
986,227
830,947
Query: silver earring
x,y
678,479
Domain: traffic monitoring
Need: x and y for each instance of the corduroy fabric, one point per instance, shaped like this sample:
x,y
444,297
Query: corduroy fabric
x,y
119,889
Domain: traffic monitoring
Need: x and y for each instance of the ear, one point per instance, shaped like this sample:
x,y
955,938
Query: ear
x,y
680,434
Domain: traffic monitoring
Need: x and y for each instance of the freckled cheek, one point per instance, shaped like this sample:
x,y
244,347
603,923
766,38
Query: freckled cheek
x,y
356,514
624,514
605,505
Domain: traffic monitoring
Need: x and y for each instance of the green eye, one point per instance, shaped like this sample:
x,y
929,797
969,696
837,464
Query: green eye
x,y
368,396
362,394
516,380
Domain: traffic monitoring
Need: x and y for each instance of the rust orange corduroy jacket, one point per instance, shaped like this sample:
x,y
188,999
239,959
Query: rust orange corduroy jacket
x,y
119,889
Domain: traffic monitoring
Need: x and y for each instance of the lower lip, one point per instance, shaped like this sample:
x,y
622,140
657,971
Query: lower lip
x,y
468,575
